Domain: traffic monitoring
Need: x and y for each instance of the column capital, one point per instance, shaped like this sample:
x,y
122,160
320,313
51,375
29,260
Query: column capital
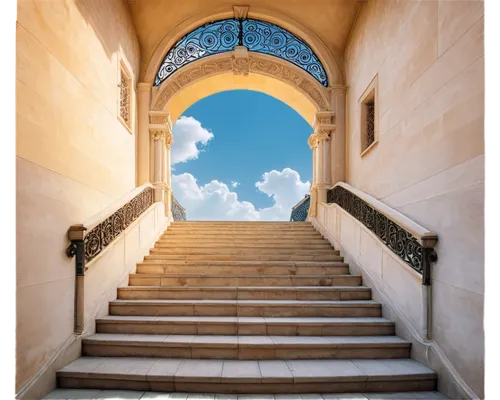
x,y
163,134
324,134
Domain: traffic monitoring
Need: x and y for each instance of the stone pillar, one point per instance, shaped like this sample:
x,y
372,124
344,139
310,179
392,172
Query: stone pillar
x,y
323,130
313,142
160,128
144,140
338,140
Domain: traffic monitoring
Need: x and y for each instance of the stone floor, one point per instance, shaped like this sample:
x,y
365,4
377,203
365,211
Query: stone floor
x,y
90,394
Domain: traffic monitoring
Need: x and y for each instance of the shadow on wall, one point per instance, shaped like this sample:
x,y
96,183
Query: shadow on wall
x,y
107,19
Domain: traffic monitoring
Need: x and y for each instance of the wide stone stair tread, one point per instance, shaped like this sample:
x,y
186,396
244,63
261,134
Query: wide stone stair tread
x,y
244,347
250,288
291,263
245,340
184,275
97,394
355,374
268,320
264,303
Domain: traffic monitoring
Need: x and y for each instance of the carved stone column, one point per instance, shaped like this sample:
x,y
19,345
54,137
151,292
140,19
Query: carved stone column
x,y
324,127
160,128
313,144
143,137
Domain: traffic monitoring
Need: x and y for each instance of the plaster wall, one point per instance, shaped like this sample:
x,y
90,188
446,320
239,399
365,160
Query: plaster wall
x,y
73,155
428,57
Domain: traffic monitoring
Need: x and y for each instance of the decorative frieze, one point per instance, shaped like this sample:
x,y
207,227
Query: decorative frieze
x,y
243,62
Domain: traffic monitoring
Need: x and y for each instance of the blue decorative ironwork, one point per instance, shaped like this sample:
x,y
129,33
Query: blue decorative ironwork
x,y
258,36
300,210
178,212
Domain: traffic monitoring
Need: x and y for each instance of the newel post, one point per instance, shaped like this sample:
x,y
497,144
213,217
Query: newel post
x,y
76,248
160,128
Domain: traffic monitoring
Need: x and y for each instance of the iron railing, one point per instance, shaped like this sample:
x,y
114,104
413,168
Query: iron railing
x,y
400,241
300,210
101,235
178,212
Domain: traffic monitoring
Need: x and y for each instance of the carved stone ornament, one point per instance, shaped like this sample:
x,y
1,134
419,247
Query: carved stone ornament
x,y
159,119
312,141
323,134
240,12
324,118
169,139
241,61
159,133
237,63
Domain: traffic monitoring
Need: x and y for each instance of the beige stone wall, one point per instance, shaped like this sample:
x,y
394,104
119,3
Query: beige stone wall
x,y
429,161
73,155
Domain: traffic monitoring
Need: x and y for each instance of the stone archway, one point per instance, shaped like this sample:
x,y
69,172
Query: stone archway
x,y
322,107
311,96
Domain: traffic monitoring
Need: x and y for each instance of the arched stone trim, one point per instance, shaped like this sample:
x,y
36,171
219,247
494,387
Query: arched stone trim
x,y
238,63
331,66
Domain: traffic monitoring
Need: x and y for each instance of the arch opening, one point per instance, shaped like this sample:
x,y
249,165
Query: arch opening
x,y
217,177
256,35
209,86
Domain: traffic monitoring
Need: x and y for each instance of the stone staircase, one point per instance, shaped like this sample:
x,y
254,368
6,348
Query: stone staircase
x,y
245,307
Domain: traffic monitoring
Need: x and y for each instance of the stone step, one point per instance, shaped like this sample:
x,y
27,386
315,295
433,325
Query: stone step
x,y
245,293
246,308
245,347
242,280
236,229
243,257
155,268
98,394
269,226
241,251
243,235
323,326
245,244
247,376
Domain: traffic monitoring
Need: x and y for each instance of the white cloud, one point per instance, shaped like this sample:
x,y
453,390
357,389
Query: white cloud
x,y
215,201
286,189
235,184
188,133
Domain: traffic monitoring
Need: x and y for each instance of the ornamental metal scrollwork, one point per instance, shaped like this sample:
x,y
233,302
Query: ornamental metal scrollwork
x,y
178,212
99,237
256,35
400,241
300,210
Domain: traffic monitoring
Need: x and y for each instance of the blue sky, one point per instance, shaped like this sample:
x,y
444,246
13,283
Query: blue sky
x,y
226,143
